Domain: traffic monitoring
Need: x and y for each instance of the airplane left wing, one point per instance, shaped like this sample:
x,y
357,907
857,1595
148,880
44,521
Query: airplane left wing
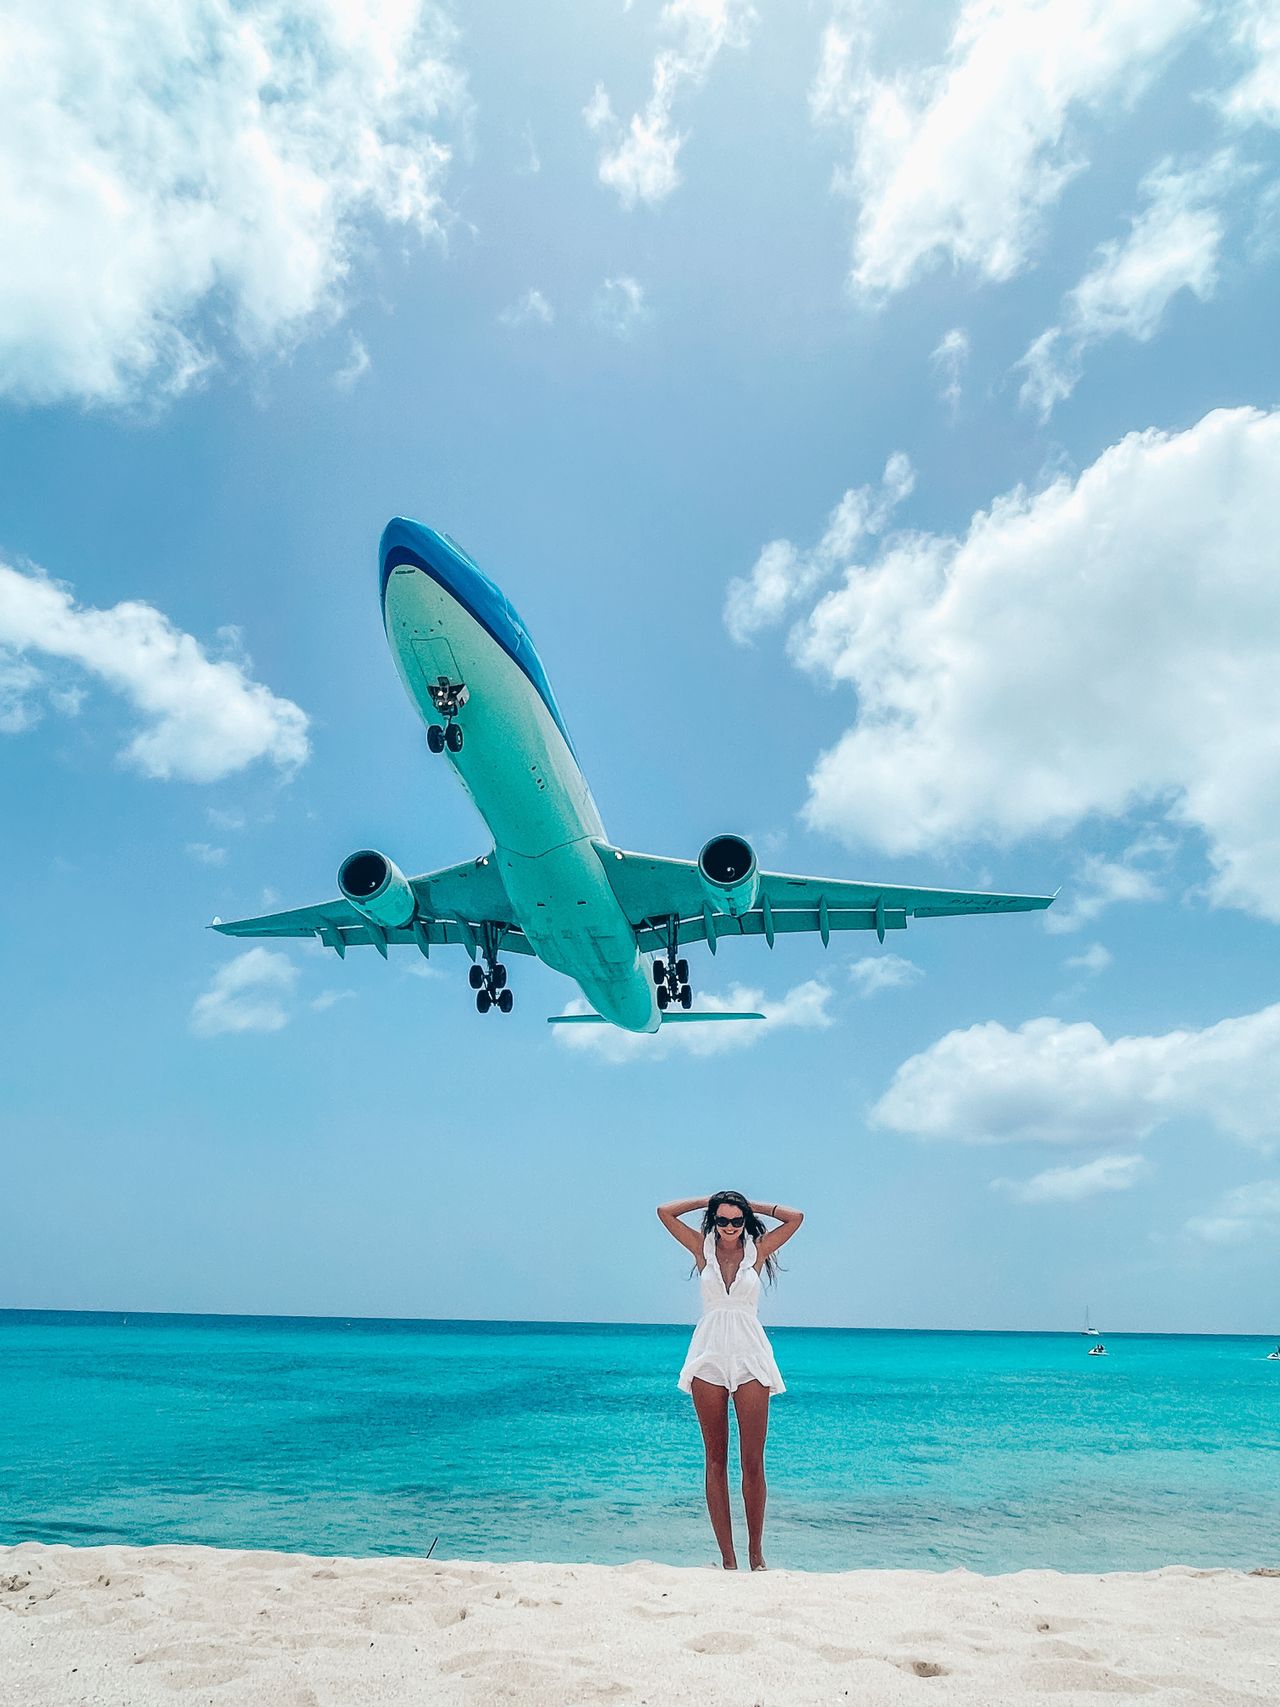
x,y
654,891
455,904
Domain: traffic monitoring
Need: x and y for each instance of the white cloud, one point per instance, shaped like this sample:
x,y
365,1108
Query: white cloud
x,y
1102,645
1247,1212
1256,97
959,161
203,717
805,1006
355,367
1101,883
1172,245
639,161
206,854
247,994
875,972
619,306
1093,959
1053,1083
950,359
1071,1185
184,175
783,574
532,309
330,998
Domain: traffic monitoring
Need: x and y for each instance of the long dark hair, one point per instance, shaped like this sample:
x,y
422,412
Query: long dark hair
x,y
751,1223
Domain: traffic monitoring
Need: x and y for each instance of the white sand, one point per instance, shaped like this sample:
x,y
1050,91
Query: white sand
x,y
134,1626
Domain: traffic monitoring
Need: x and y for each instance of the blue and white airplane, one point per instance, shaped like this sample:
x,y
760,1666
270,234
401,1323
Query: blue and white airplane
x,y
553,885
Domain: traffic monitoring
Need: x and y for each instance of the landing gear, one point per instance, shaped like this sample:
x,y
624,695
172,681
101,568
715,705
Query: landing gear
x,y
490,980
448,698
672,975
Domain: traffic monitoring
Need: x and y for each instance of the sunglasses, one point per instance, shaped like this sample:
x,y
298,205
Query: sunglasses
x,y
729,1220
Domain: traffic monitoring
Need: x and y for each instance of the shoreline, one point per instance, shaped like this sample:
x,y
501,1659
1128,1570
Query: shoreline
x,y
131,1626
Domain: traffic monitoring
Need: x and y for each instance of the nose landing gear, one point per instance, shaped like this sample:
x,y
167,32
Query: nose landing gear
x,y
448,698
672,975
490,981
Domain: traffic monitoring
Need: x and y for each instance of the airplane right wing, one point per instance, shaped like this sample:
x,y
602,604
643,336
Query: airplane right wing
x,y
654,891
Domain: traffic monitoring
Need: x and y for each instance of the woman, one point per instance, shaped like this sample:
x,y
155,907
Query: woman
x,y
729,1352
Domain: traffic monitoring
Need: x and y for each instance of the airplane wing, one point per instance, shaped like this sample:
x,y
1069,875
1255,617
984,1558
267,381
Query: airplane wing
x,y
454,905
653,890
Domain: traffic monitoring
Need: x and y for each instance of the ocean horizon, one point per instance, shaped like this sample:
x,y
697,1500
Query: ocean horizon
x,y
996,1450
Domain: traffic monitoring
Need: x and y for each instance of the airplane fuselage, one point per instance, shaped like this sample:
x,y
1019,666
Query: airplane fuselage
x,y
446,622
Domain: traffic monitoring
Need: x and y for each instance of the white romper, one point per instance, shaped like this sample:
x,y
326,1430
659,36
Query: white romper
x,y
728,1344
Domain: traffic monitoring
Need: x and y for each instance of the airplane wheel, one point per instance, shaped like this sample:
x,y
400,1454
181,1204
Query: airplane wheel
x,y
664,997
686,996
499,976
475,977
484,1001
435,738
682,971
659,972
453,738
506,1001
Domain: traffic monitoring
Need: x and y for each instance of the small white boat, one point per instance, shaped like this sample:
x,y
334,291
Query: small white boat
x,y
1090,1333
1274,1356
1098,1350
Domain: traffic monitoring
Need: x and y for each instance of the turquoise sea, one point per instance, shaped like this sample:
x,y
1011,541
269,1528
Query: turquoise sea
x,y
528,1440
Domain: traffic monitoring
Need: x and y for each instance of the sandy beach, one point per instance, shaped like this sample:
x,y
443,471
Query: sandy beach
x,y
131,1626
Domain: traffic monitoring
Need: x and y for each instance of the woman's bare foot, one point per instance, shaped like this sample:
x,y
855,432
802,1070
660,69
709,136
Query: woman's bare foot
x,y
729,1562
757,1562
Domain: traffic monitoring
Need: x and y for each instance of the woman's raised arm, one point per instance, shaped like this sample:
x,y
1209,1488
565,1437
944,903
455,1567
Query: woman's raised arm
x,y
776,1237
669,1214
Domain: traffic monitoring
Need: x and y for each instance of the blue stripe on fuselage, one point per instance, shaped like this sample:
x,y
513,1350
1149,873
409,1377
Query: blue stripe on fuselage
x,y
404,541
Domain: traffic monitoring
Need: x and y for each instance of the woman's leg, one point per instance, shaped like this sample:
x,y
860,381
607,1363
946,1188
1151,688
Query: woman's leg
x,y
712,1405
751,1402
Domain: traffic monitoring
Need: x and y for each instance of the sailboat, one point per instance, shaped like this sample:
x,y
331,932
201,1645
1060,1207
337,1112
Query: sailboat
x,y
1092,1333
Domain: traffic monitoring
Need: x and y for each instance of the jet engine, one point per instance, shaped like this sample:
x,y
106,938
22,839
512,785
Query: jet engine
x,y
730,879
377,888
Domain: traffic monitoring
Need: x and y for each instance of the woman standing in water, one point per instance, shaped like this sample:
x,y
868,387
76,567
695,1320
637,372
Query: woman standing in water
x,y
729,1352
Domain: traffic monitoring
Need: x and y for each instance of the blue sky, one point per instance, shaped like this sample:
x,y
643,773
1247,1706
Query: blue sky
x,y
872,411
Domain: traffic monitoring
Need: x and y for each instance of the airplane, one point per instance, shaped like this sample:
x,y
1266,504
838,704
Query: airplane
x,y
552,885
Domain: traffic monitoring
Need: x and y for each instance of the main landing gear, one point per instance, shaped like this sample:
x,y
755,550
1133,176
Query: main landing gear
x,y
448,698
672,975
490,981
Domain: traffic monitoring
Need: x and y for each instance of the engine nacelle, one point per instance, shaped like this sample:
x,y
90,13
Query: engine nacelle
x,y
377,888
730,879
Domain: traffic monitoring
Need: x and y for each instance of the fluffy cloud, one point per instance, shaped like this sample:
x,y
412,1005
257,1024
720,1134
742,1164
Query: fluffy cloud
x,y
619,306
783,574
950,359
959,161
179,174
1242,1214
639,161
249,993
355,367
1053,1083
531,309
1172,245
203,718
805,1006
1107,643
1071,1185
875,972
1255,99
1100,883
1092,960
